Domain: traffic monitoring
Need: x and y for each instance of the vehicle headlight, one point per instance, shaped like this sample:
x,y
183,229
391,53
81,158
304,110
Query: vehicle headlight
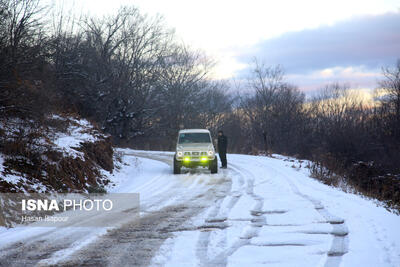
x,y
210,152
179,153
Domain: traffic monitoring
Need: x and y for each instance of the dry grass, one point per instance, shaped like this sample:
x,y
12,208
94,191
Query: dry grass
x,y
30,154
366,179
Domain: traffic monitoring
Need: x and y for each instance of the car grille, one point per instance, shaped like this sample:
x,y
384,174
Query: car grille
x,y
195,154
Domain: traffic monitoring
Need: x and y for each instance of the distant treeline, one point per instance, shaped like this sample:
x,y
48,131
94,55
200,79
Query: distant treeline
x,y
130,75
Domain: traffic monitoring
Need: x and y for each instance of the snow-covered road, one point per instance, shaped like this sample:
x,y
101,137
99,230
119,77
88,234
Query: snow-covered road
x,y
260,211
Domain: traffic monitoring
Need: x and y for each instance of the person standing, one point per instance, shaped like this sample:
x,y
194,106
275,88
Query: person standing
x,y
222,145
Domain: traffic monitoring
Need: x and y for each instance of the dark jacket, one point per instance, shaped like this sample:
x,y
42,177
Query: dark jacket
x,y
222,143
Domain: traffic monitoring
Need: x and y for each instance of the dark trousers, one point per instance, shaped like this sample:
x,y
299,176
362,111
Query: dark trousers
x,y
222,156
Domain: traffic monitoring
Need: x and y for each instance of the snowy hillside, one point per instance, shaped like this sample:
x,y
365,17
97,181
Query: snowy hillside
x,y
63,154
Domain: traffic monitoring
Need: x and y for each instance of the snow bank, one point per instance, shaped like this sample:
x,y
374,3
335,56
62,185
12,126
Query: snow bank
x,y
79,131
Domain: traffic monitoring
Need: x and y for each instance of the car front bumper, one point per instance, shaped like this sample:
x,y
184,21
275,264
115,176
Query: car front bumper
x,y
192,161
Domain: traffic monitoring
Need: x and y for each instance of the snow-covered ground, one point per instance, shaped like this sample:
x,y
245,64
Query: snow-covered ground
x,y
260,211
79,131
66,140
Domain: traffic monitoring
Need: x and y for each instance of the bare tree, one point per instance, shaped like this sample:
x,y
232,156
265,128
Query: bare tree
x,y
23,54
391,99
23,22
182,85
110,68
273,108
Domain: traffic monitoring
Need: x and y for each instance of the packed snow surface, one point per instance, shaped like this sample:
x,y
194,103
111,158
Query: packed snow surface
x,y
261,211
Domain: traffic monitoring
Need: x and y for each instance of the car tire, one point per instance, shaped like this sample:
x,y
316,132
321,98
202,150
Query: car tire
x,y
177,166
214,165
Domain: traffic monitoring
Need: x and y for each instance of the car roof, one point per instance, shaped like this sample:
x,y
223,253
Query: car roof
x,y
194,131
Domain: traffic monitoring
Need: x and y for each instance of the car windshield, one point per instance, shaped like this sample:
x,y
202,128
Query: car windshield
x,y
194,138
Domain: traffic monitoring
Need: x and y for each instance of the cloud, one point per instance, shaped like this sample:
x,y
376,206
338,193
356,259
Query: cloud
x,y
356,77
369,41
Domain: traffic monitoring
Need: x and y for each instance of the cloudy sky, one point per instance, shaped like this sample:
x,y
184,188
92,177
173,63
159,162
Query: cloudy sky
x,y
315,41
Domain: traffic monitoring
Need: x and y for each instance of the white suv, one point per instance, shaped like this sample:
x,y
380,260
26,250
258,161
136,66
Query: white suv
x,y
194,148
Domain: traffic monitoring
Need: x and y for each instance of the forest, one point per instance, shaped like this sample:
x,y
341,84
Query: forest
x,y
129,74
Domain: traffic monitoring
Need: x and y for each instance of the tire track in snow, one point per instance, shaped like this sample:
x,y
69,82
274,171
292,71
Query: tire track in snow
x,y
340,242
135,245
251,230
216,219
